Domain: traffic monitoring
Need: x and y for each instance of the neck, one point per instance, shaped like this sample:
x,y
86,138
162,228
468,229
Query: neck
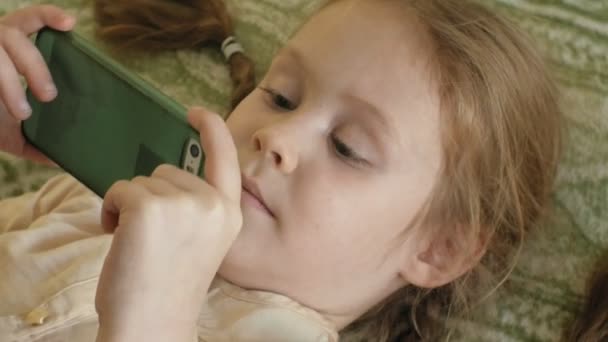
x,y
350,312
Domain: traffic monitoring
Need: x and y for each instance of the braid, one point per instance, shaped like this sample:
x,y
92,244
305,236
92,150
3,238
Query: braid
x,y
156,25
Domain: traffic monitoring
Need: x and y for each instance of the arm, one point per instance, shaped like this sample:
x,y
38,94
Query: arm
x,y
168,332
15,213
172,231
61,191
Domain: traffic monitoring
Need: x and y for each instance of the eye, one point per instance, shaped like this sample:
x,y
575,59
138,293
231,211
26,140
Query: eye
x,y
346,152
279,100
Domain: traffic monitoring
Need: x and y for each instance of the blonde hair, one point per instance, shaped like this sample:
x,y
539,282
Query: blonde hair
x,y
500,137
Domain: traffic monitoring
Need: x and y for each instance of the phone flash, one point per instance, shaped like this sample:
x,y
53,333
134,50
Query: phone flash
x,y
192,157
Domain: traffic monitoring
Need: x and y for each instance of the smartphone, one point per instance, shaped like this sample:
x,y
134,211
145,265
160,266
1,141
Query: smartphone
x,y
106,123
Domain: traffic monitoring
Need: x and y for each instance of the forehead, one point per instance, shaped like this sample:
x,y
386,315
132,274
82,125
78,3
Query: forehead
x,y
365,45
376,26
377,50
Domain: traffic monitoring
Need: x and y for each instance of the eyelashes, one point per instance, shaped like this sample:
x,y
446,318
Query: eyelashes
x,y
345,151
340,148
278,100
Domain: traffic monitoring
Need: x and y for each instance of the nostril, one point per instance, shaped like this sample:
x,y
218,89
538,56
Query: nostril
x,y
277,158
257,144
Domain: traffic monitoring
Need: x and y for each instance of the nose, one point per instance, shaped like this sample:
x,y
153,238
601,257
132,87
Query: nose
x,y
278,145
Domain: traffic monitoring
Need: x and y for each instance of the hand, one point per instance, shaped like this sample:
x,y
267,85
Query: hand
x,y
171,233
18,56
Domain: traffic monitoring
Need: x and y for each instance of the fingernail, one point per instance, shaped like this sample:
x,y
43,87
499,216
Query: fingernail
x,y
26,110
51,90
68,20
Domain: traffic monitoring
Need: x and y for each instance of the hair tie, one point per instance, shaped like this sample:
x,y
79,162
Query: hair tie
x,y
230,46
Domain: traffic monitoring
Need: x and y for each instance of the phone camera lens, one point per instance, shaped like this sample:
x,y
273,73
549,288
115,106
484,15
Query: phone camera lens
x,y
195,151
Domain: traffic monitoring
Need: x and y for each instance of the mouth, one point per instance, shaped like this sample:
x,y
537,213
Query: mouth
x,y
252,196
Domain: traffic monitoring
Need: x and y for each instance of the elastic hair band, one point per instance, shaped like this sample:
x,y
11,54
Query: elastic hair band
x,y
230,46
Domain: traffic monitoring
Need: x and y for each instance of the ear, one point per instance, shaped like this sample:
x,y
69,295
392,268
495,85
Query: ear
x,y
436,261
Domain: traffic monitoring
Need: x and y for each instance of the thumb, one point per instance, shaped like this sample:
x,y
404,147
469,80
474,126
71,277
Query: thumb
x,y
31,19
31,153
222,169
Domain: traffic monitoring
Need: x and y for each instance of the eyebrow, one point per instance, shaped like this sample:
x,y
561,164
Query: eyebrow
x,y
294,54
373,111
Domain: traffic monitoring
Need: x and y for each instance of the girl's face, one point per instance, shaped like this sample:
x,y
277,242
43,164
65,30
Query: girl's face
x,y
341,143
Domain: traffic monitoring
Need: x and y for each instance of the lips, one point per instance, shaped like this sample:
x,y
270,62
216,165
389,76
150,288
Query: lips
x,y
251,189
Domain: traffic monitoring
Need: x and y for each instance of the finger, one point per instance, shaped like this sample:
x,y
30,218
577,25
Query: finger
x,y
11,91
122,195
180,179
31,19
156,186
29,63
15,143
221,161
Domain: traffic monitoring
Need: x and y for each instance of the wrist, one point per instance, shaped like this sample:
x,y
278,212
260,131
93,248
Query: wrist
x,y
149,322
160,330
145,316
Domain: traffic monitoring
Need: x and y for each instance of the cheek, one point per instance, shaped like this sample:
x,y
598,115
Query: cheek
x,y
347,210
351,232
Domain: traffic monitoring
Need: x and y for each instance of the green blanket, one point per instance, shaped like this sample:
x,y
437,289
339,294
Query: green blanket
x,y
546,287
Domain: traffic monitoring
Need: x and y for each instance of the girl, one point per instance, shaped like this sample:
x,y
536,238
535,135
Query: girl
x,y
380,178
